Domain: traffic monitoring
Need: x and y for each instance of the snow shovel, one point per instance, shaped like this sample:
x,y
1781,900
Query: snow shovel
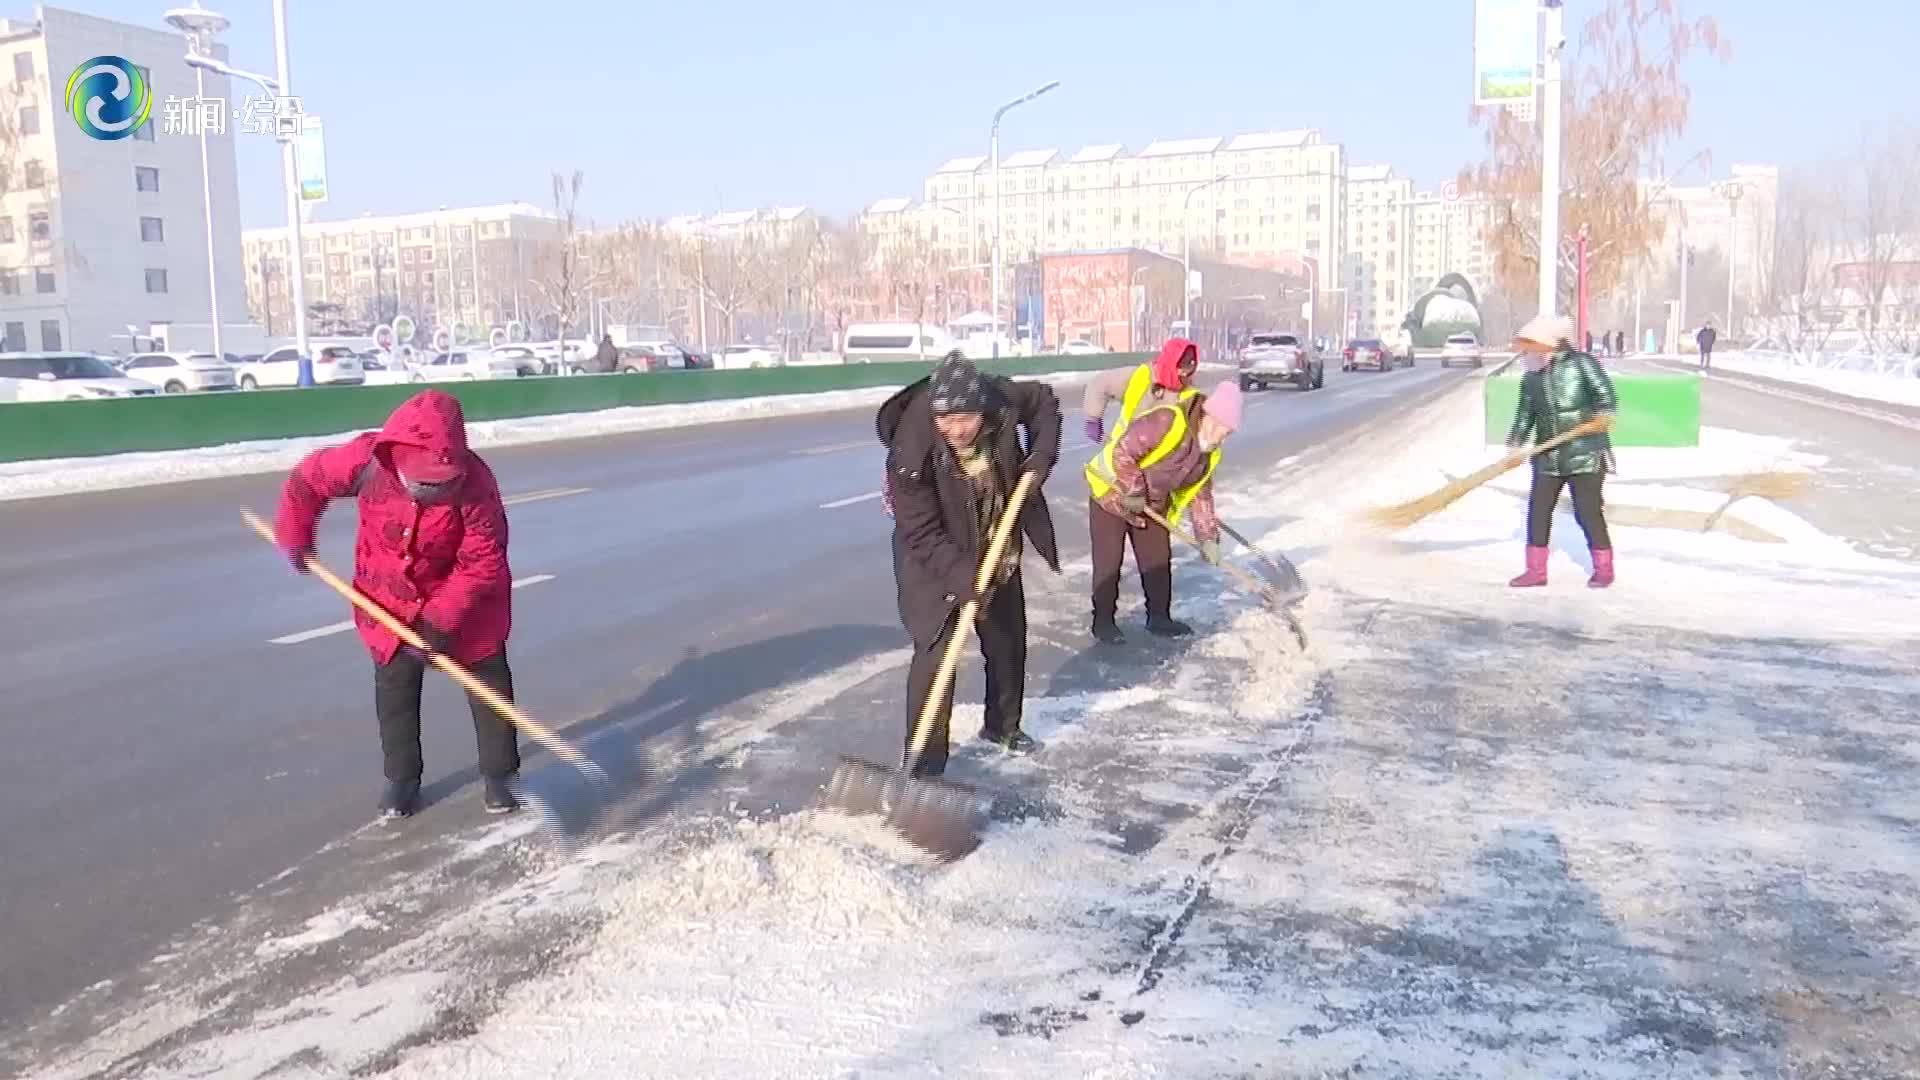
x,y
1274,598
1282,575
507,710
934,815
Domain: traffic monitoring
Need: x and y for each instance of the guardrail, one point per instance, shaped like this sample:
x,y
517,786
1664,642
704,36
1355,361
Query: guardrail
x,y
63,429
1655,410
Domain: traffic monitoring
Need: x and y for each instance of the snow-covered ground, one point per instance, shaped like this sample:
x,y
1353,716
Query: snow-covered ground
x,y
66,476
1895,389
1663,830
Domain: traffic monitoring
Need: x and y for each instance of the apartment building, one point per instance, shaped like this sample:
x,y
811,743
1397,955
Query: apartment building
x,y
99,235
777,225
470,265
1270,200
1378,268
1449,237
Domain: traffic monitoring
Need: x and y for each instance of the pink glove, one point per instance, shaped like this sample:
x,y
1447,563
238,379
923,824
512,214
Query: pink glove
x,y
1096,430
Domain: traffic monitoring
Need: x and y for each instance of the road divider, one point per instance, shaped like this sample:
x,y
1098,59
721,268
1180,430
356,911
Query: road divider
x,y
71,429
1655,410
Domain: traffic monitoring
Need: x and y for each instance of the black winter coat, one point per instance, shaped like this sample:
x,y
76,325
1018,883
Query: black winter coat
x,y
937,542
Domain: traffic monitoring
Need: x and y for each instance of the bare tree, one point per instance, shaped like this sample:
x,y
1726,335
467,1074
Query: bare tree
x,y
1881,214
562,273
1625,101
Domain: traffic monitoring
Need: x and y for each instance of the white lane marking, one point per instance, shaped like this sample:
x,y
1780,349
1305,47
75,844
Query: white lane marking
x,y
547,493
838,503
834,449
342,627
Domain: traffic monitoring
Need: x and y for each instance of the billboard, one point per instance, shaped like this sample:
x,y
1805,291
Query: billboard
x,y
310,151
1506,48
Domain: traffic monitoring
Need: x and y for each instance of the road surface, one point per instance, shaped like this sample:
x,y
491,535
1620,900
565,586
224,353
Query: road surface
x,y
188,722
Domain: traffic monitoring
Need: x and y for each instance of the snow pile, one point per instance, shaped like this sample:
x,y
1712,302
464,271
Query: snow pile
x,y
1893,389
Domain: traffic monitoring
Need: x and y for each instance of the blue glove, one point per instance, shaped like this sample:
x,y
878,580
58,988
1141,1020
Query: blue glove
x,y
1096,429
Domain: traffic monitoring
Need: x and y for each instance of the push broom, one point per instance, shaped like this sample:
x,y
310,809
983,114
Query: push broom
x,y
934,815
1409,513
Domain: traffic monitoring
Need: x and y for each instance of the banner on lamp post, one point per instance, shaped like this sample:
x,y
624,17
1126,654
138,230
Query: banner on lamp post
x,y
1506,48
310,150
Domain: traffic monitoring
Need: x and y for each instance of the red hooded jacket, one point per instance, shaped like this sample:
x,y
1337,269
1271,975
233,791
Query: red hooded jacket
x,y
444,563
1166,366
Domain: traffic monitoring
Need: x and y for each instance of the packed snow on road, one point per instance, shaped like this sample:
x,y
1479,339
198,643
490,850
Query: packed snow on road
x,y
1664,829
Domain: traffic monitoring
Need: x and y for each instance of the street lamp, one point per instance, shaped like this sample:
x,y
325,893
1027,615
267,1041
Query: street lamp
x,y
1186,250
1730,191
279,86
995,150
200,26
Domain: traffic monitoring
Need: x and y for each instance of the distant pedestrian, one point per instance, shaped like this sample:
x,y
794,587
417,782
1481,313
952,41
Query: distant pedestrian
x,y
1707,336
605,359
1562,389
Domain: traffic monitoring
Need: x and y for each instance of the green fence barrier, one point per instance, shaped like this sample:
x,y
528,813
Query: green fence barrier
x,y
63,429
1655,410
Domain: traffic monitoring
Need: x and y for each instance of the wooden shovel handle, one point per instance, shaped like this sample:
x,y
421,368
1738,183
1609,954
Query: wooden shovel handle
x,y
507,710
943,678
1590,427
1176,531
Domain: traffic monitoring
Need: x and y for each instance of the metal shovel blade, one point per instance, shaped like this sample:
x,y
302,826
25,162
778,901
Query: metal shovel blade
x,y
936,816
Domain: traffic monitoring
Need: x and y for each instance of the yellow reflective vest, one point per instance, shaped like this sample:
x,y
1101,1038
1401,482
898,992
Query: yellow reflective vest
x,y
1100,474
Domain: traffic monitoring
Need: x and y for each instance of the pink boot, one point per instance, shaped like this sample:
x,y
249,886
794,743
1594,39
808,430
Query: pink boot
x,y
1602,568
1536,574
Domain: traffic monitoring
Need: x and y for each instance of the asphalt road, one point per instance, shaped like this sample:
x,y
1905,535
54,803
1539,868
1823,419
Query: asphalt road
x,y
185,719
1864,492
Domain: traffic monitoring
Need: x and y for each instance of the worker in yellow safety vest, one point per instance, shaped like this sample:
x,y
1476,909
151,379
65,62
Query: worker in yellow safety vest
x,y
1169,377
1163,460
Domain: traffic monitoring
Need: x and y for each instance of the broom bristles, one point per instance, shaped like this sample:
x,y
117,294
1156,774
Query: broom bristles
x,y
1770,485
1410,513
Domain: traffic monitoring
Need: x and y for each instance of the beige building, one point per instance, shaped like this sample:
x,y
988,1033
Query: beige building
x,y
1281,200
473,265
1378,269
777,225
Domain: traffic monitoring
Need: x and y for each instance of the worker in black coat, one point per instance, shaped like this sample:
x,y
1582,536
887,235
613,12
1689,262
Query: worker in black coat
x,y
954,454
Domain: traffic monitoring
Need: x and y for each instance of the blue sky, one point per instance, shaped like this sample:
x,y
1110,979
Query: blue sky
x,y
687,108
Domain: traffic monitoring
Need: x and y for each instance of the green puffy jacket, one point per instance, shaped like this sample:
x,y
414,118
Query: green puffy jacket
x,y
1572,389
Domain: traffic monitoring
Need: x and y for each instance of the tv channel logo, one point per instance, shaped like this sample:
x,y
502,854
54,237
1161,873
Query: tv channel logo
x,y
109,97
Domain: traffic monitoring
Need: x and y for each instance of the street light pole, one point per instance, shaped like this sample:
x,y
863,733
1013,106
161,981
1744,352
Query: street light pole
x,y
1186,250
1549,299
290,178
1732,192
994,143
200,26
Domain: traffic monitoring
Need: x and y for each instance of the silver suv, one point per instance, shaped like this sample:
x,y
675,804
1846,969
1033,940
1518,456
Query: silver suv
x,y
1280,356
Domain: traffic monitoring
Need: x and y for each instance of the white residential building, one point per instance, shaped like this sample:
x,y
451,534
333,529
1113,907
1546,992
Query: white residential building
x,y
99,235
469,265
1449,237
1378,271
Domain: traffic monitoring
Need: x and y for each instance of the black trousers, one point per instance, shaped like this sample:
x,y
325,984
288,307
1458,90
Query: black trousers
x,y
1002,626
1152,552
396,702
1587,509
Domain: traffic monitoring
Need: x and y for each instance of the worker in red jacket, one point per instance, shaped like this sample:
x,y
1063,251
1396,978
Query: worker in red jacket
x,y
432,550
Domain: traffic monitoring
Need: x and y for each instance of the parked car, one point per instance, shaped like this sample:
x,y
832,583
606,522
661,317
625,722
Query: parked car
x,y
65,377
524,359
1080,347
866,343
1460,349
334,365
466,365
1280,357
731,357
177,373
1370,353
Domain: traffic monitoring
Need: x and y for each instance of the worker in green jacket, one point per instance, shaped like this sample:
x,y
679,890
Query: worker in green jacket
x,y
1562,389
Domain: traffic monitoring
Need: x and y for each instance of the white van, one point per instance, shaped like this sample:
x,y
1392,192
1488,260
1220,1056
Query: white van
x,y
868,342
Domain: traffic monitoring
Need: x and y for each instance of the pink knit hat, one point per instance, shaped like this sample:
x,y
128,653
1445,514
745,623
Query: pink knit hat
x,y
1223,405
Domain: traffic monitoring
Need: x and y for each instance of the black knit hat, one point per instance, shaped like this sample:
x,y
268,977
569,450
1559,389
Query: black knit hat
x,y
956,387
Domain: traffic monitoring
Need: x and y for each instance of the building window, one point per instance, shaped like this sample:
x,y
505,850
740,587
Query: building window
x,y
152,230
146,178
50,335
412,278
6,230
407,256
39,227
29,120
16,338
36,174
22,68
156,281
9,283
43,281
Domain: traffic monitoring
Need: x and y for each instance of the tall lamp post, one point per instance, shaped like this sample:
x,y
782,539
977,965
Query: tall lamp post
x,y
277,86
1550,159
1730,191
1186,250
200,25
995,150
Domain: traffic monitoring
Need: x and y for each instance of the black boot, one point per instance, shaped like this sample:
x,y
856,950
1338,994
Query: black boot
x,y
401,798
1017,743
1107,632
499,797
1166,626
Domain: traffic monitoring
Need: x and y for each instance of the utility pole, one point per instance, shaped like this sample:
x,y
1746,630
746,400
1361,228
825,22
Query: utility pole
x,y
994,144
1554,37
